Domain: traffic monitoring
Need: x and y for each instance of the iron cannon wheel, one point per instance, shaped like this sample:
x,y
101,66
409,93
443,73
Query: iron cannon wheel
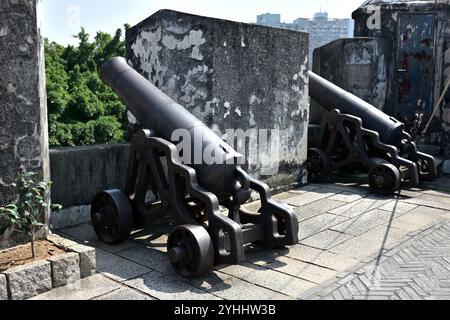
x,y
319,165
112,216
191,251
384,179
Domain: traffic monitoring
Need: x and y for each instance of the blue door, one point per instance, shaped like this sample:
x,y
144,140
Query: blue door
x,y
415,65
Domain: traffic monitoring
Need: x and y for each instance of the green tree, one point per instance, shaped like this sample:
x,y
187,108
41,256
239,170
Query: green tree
x,y
82,110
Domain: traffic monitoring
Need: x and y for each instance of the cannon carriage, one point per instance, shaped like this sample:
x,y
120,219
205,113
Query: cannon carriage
x,y
356,136
192,191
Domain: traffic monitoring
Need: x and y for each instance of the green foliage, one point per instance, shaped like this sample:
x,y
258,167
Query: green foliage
x,y
27,213
82,110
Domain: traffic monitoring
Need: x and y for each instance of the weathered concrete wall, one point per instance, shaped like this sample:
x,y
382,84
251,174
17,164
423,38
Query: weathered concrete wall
x,y
389,14
357,65
446,103
79,173
231,76
23,109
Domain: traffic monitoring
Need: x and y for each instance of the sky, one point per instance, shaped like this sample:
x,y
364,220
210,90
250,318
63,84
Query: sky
x,y
64,18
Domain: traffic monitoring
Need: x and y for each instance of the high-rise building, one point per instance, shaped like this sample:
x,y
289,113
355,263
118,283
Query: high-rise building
x,y
269,19
321,28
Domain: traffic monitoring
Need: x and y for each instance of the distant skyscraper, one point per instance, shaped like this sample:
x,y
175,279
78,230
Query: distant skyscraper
x,y
321,29
269,19
321,15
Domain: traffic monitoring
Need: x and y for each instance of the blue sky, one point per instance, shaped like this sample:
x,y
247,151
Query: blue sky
x,y
63,18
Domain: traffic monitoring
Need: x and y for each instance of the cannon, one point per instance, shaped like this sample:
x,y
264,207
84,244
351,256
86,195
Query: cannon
x,y
356,136
204,198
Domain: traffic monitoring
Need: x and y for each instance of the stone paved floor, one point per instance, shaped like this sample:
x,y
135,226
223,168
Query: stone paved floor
x,y
352,245
419,269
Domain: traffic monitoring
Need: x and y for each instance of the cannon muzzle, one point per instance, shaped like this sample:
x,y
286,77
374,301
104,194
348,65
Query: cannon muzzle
x,y
330,96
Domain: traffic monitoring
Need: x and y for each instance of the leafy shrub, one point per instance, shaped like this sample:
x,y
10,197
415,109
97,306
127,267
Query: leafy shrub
x,y
26,215
82,110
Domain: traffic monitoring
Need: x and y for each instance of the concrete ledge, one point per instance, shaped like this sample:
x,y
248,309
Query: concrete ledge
x,y
27,281
70,217
3,288
79,173
88,261
65,269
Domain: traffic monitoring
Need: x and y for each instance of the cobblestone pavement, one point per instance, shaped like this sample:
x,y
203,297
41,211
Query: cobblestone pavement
x,y
342,228
417,270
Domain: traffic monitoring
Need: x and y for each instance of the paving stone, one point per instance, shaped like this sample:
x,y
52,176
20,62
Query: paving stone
x,y
310,197
86,235
149,258
117,268
350,187
61,242
372,242
413,221
126,294
159,261
347,197
154,241
301,269
398,207
165,287
84,289
305,189
253,206
359,207
431,212
29,280
269,279
320,257
364,222
429,201
88,260
326,239
285,195
316,208
317,224
436,193
236,289
65,269
3,288
411,193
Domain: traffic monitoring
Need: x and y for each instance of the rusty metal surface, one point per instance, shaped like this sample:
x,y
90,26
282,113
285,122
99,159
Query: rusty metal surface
x,y
415,65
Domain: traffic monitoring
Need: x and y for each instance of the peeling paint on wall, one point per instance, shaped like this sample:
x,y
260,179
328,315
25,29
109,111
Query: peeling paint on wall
x,y
237,84
193,40
147,49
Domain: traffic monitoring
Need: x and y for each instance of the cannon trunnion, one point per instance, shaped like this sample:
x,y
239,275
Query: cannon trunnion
x,y
356,136
161,182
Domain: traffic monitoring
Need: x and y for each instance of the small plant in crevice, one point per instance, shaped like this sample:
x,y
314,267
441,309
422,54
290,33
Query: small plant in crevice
x,y
26,214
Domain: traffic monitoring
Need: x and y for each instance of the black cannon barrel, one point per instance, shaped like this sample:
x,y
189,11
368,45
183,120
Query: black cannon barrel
x,y
156,111
330,96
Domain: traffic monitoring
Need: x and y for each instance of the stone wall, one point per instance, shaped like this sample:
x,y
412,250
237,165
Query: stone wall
x,y
79,173
23,109
390,12
231,76
446,103
357,65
